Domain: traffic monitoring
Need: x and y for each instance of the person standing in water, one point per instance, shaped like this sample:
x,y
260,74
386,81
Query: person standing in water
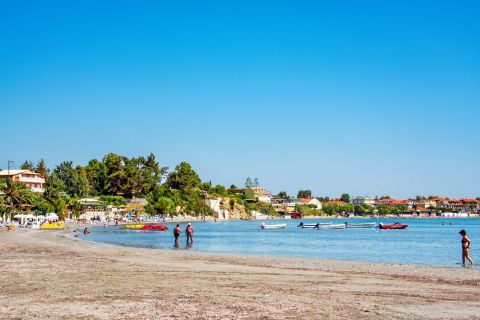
x,y
176,234
189,232
465,248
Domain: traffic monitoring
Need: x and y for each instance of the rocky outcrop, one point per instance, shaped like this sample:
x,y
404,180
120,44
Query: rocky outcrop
x,y
227,208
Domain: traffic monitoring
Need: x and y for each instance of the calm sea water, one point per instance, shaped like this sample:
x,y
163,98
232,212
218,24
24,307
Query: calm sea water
x,y
425,241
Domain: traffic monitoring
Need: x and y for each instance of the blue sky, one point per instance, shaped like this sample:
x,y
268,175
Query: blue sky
x,y
363,97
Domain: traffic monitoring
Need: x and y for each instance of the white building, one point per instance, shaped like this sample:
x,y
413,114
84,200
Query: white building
x,y
358,201
310,201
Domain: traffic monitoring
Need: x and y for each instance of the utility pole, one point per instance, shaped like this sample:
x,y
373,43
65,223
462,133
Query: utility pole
x,y
10,162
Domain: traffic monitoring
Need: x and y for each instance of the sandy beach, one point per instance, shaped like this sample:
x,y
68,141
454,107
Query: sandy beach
x,y
51,275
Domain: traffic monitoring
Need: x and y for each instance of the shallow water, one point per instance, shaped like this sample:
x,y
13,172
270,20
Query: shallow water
x,y
425,241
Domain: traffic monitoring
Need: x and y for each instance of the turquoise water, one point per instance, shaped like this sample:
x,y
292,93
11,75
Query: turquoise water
x,y
425,241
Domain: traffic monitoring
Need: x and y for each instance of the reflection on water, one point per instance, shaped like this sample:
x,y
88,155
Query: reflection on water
x,y
425,241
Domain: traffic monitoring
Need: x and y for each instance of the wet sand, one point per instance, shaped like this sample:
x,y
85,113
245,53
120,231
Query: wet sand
x,y
50,275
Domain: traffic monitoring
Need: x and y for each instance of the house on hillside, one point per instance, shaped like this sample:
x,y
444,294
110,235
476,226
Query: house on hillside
x,y
255,194
33,180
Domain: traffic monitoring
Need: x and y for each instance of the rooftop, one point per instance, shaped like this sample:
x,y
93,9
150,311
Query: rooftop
x,y
16,172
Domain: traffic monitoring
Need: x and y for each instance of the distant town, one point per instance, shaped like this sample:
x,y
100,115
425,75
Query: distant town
x,y
118,186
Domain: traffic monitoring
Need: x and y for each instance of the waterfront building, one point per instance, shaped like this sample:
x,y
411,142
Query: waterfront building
x,y
288,205
283,205
255,194
33,180
359,201
310,201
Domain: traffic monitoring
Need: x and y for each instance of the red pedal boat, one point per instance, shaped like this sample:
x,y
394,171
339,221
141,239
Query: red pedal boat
x,y
396,225
159,227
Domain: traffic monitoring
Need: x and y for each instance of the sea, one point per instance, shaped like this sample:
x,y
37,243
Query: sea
x,y
432,242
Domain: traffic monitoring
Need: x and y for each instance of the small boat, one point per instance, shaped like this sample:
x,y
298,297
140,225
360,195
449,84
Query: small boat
x,y
296,215
331,226
133,226
312,225
394,226
273,226
52,226
154,227
360,225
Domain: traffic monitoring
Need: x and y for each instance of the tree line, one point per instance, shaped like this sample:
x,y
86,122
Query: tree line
x,y
113,178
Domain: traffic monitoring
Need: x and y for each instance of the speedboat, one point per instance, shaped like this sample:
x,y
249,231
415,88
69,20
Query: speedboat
x,y
154,227
331,226
394,226
312,225
273,226
360,225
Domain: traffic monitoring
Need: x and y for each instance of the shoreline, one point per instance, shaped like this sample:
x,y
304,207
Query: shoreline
x,y
56,275
77,236
195,219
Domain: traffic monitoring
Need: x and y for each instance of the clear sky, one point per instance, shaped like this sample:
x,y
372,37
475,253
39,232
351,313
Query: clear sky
x,y
363,97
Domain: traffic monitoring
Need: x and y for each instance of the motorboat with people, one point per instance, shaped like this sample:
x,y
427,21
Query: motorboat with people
x,y
273,226
360,225
312,225
331,226
393,226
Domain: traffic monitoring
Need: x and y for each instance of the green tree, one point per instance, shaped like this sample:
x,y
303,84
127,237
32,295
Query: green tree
x,y
114,200
282,195
248,183
345,198
323,199
153,173
80,185
116,176
27,165
219,190
15,195
162,205
304,194
42,169
183,178
96,172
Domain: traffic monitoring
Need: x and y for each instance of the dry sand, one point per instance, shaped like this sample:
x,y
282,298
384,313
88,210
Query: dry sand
x,y
50,275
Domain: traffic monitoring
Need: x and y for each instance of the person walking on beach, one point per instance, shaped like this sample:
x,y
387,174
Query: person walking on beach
x,y
176,234
465,248
189,232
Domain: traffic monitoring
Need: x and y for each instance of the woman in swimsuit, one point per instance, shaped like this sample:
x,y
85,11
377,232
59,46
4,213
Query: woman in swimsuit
x,y
176,234
189,232
465,248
